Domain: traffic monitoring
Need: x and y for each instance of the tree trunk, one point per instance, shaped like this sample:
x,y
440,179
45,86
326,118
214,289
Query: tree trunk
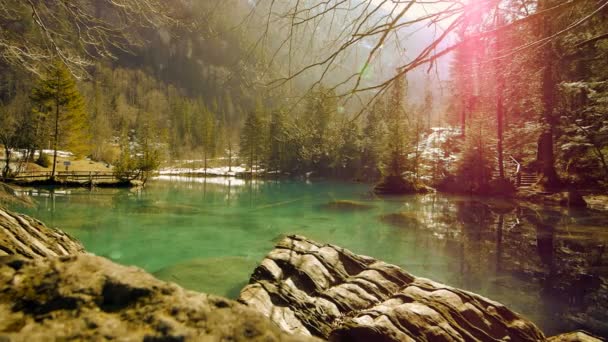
x,y
499,126
463,118
205,158
251,161
229,156
417,151
548,178
500,110
7,153
545,157
56,139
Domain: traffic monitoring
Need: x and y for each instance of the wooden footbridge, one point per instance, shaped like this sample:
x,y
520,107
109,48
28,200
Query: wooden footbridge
x,y
67,176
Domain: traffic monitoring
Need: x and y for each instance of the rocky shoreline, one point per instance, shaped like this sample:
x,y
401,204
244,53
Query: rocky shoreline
x,y
51,289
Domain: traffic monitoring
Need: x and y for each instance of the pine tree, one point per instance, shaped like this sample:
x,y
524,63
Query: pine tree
x,y
277,141
373,143
252,139
148,152
16,121
125,167
207,127
347,162
318,129
395,119
57,96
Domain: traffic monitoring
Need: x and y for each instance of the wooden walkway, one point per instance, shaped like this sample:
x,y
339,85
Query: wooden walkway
x,y
67,176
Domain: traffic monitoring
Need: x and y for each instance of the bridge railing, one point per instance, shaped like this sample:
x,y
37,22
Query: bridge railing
x,y
512,170
79,176
516,176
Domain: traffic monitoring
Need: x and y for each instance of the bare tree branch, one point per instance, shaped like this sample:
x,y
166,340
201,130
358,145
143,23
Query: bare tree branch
x,y
76,31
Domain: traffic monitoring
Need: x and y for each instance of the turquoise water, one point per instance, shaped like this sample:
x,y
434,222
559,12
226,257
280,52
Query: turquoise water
x,y
208,235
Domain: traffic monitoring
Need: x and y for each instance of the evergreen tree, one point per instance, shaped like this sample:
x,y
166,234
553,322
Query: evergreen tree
x,y
57,96
16,121
317,129
395,120
373,143
348,153
149,150
207,134
125,167
277,141
252,139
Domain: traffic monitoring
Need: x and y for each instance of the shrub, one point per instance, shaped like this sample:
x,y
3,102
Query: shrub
x,y
43,160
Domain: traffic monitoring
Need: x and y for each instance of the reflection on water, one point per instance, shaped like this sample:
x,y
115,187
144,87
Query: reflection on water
x,y
546,263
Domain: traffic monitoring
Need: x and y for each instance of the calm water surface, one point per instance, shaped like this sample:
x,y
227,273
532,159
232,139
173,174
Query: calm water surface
x,y
208,235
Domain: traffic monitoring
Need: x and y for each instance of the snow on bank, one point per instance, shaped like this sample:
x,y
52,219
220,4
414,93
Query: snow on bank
x,y
18,154
62,154
227,181
211,171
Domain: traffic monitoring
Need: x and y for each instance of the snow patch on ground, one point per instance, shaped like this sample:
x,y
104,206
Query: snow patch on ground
x,y
226,181
18,154
211,171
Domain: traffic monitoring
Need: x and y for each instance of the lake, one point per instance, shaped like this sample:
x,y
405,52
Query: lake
x,y
548,264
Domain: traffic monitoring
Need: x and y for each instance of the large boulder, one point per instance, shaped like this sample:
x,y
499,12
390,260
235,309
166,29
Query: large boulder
x,y
329,292
27,237
88,298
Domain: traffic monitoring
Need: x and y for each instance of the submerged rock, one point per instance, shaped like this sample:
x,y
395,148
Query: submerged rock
x,y
329,292
401,220
220,276
27,237
347,205
88,298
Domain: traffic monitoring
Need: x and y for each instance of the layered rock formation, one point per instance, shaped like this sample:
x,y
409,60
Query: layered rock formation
x,y
27,237
88,298
327,291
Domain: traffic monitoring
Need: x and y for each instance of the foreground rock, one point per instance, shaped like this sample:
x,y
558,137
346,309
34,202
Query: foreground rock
x,y
88,298
27,237
326,291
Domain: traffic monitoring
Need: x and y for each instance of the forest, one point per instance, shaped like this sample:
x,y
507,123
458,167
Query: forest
x,y
343,89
